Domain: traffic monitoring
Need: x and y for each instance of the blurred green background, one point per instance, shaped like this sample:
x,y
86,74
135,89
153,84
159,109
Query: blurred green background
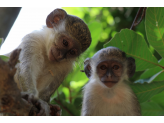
x,y
103,23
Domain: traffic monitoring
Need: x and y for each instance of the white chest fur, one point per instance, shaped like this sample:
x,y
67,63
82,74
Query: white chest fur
x,y
107,102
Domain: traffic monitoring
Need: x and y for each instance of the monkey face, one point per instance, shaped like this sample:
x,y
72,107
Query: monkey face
x,y
73,26
64,48
109,72
110,65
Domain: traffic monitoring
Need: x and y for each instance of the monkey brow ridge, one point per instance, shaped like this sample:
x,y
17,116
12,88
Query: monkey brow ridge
x,y
112,52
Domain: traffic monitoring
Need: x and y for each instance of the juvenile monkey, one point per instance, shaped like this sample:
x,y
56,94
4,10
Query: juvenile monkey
x,y
107,92
48,55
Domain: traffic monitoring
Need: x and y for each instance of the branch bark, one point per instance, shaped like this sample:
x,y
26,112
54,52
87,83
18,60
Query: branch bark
x,y
142,11
11,102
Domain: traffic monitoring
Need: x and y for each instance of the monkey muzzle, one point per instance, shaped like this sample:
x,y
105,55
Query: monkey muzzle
x,y
56,55
109,84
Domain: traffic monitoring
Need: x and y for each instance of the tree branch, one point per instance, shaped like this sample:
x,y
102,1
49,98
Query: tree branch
x,y
136,22
11,101
65,108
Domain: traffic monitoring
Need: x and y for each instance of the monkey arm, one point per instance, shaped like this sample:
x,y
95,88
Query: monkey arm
x,y
31,62
30,65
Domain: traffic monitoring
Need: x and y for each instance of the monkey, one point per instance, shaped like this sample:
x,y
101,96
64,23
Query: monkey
x,y
48,55
107,93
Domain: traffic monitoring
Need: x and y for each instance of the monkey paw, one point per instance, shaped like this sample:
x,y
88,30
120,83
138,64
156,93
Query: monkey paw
x,y
55,110
42,106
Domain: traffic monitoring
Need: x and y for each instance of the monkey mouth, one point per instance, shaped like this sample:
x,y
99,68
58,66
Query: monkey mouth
x,y
52,57
109,81
109,84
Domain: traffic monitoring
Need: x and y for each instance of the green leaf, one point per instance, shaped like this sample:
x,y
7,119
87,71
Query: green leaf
x,y
145,91
155,28
69,109
152,71
159,99
4,58
78,102
151,79
151,109
135,46
1,41
74,11
95,29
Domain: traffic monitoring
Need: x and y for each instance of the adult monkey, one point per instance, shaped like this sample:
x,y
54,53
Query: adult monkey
x,y
48,55
107,92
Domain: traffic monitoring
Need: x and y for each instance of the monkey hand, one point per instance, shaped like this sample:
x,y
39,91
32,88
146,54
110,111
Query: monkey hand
x,y
42,106
55,110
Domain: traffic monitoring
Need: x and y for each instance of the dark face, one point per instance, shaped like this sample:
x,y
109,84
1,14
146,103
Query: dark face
x,y
64,48
109,72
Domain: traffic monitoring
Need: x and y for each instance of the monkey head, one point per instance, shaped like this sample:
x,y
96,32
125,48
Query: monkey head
x,y
110,65
71,36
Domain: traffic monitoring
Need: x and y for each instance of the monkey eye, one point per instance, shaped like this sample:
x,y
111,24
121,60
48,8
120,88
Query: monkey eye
x,y
115,67
72,52
65,42
103,67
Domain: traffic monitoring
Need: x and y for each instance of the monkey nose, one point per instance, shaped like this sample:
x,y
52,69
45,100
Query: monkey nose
x,y
60,56
109,75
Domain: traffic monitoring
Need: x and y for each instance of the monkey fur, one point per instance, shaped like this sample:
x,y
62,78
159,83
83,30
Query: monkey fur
x,y
107,93
48,55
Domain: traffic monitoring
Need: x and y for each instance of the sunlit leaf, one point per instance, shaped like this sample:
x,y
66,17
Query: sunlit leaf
x,y
95,29
66,92
4,58
110,20
0,41
74,11
151,109
78,84
61,96
155,28
94,11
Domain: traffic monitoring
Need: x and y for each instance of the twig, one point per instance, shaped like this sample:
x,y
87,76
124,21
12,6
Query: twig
x,y
57,94
70,95
136,22
58,101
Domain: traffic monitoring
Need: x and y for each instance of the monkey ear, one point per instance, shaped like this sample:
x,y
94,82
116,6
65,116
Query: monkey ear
x,y
131,66
87,67
55,17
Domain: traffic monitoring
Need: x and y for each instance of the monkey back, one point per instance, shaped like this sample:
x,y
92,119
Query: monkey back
x,y
78,29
